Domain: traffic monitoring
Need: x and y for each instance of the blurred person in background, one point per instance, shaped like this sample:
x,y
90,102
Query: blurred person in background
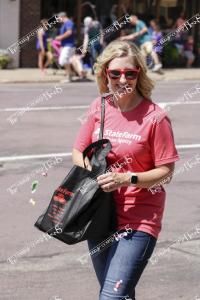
x,y
180,21
156,36
41,46
75,61
188,51
77,65
143,39
181,36
66,36
92,30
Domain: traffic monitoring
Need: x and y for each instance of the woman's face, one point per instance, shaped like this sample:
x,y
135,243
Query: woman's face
x,y
122,63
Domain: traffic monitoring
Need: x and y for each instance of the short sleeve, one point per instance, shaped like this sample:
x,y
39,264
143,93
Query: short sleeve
x,y
84,136
86,30
162,143
141,25
68,25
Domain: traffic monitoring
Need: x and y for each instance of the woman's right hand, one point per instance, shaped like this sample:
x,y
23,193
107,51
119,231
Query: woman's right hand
x,y
77,157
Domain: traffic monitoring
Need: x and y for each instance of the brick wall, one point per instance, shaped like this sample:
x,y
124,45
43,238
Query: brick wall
x,y
29,19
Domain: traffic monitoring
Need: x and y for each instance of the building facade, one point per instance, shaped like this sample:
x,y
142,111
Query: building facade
x,y
10,25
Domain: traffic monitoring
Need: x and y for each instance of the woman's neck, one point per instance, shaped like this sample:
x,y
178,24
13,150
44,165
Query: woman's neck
x,y
128,102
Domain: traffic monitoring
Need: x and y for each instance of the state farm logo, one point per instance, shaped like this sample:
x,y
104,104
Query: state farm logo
x,y
119,134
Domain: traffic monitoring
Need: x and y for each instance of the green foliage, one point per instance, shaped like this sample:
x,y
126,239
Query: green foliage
x,y
4,60
171,55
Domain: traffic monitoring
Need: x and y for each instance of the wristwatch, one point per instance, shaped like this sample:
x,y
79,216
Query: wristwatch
x,y
134,178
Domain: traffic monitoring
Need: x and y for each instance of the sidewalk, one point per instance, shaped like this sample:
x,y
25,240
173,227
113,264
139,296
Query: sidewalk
x,y
34,75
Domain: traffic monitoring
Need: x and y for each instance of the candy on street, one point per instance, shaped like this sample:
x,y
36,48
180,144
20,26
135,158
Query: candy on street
x,y
44,174
32,202
34,186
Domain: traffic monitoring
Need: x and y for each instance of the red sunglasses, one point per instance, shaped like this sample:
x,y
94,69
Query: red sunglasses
x,y
130,74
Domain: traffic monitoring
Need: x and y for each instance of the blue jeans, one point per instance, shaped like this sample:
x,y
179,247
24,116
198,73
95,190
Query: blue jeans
x,y
119,267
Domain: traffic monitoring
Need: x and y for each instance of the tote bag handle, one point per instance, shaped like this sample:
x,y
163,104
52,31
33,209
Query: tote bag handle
x,y
102,118
98,144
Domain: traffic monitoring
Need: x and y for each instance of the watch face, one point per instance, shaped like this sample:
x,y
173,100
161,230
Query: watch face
x,y
134,179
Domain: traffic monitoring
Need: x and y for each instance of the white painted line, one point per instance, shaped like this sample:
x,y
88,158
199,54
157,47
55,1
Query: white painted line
x,y
44,108
33,156
165,104
37,156
187,80
161,104
192,146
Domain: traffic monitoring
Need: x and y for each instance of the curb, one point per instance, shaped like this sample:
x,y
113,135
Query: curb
x,y
39,81
58,81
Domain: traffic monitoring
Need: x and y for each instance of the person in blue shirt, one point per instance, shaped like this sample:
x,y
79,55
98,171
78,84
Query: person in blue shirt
x,y
66,36
142,38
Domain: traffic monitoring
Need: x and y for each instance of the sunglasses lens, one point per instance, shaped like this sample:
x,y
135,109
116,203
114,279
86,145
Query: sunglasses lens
x,y
131,74
114,74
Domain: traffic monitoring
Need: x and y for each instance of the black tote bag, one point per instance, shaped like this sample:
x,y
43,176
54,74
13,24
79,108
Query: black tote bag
x,y
79,209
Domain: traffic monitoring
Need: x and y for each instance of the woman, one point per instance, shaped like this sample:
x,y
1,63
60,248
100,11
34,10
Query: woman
x,y
151,145
156,36
41,46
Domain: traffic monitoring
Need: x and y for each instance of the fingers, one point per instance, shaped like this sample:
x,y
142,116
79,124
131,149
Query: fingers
x,y
104,179
87,164
106,182
110,177
109,188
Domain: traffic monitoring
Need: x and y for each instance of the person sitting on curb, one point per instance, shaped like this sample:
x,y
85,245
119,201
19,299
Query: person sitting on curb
x,y
188,51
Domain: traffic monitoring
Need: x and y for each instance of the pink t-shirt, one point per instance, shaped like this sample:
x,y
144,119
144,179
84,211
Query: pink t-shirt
x,y
141,139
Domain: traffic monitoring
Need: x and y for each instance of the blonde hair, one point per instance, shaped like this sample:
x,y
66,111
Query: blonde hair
x,y
121,49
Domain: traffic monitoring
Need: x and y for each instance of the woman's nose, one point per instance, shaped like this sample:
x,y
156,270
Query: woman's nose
x,y
122,78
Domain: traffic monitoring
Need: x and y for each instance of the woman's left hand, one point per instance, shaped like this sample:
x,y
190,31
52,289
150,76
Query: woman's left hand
x,y
111,181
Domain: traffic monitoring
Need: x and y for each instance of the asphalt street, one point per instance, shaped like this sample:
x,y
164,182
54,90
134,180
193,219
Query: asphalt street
x,y
51,270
